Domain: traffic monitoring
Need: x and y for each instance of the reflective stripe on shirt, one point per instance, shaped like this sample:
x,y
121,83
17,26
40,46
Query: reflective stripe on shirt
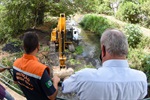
x,y
27,73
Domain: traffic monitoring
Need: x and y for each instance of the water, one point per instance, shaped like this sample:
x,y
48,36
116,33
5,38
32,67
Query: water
x,y
91,48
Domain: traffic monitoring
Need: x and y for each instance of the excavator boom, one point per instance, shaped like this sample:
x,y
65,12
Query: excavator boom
x,y
58,36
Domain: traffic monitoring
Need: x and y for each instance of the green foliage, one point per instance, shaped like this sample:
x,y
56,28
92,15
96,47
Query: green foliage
x,y
78,50
17,55
134,34
146,13
45,49
134,1
93,6
105,9
129,11
17,16
87,5
135,58
64,6
145,8
7,62
95,23
145,43
139,57
16,42
73,61
146,66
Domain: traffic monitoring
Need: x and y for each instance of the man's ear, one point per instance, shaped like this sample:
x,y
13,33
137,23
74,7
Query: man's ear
x,y
103,51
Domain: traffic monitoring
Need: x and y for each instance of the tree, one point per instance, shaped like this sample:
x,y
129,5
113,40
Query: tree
x,y
87,5
18,15
129,11
61,6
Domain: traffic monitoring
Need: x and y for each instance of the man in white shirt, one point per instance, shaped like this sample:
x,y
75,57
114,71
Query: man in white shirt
x,y
115,80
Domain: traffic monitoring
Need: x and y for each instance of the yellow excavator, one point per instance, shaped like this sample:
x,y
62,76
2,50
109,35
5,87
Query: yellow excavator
x,y
62,38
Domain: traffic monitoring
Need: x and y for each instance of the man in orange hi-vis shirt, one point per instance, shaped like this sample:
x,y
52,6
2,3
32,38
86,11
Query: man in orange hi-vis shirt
x,y
32,76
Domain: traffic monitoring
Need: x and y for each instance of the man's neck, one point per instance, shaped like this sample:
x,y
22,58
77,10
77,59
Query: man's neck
x,y
33,53
110,57
116,57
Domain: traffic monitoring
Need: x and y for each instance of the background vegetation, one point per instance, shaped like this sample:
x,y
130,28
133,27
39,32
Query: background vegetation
x,y
19,15
139,45
16,16
95,24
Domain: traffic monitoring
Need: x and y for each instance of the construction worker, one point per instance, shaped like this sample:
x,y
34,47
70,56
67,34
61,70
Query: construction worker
x,y
32,76
115,80
4,94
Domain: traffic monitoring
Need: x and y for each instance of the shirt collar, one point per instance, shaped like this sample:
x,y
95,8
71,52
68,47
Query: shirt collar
x,y
30,57
115,63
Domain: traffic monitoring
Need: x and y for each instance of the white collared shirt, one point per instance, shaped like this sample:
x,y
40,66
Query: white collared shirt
x,y
113,81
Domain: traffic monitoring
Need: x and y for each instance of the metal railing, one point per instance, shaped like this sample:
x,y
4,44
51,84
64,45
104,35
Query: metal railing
x,y
7,78
9,82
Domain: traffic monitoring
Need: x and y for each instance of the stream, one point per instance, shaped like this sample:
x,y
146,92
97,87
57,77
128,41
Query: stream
x,y
91,50
91,47
90,43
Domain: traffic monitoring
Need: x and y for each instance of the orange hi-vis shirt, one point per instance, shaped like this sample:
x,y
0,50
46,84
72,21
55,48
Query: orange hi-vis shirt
x,y
30,64
33,78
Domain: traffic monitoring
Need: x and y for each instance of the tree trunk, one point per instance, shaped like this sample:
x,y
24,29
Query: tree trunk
x,y
40,14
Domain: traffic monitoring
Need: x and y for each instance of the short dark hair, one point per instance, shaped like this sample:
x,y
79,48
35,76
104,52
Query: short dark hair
x,y
30,42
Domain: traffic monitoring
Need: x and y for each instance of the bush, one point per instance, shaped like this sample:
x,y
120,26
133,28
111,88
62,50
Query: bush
x,y
14,19
146,14
64,6
95,23
129,11
79,50
105,9
135,58
134,34
88,6
145,43
146,66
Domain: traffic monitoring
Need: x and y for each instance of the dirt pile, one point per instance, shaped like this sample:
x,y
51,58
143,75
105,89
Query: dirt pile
x,y
12,47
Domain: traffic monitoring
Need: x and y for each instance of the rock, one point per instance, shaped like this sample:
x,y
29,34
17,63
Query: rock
x,y
63,72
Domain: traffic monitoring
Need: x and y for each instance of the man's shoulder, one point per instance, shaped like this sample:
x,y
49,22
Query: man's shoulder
x,y
30,66
17,61
138,73
87,72
37,68
39,64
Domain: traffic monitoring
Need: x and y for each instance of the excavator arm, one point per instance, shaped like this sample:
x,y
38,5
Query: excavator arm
x,y
61,37
58,36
